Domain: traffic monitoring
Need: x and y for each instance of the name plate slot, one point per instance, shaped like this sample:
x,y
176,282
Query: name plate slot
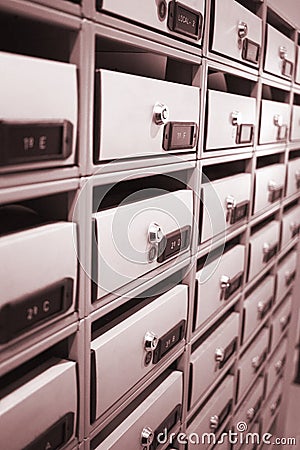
x,y
180,135
19,316
167,424
282,132
56,436
184,20
287,68
244,133
168,341
32,142
250,51
174,243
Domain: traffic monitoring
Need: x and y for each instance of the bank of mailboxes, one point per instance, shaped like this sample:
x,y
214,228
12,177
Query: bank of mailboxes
x,y
290,225
52,384
141,428
269,186
153,231
218,282
250,406
38,128
276,367
29,300
138,343
280,322
293,177
295,122
286,272
223,204
280,53
274,120
214,413
163,117
252,361
257,305
214,354
235,121
263,246
240,35
184,20
271,408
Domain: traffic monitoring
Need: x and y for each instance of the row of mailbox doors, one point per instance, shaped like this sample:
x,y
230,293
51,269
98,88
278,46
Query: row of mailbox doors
x,y
166,119
154,231
160,406
238,38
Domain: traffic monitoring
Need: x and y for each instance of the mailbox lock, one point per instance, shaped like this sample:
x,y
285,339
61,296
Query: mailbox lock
x,y
294,226
214,422
160,114
155,233
150,341
242,29
147,437
250,413
266,248
272,186
230,202
278,120
261,307
236,118
224,282
219,354
282,52
278,366
256,362
284,321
